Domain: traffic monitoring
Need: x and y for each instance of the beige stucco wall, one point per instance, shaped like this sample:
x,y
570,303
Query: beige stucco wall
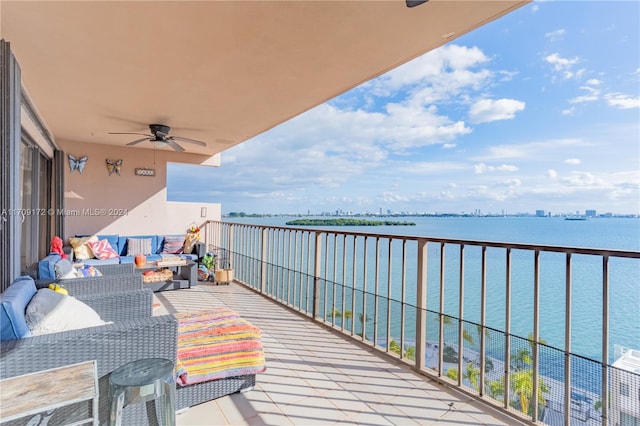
x,y
126,204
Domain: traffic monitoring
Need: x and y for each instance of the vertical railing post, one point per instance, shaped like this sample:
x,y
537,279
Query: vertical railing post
x,y
354,275
605,342
376,292
567,342
421,306
230,245
403,294
317,263
507,331
364,289
461,356
263,264
441,313
536,335
483,319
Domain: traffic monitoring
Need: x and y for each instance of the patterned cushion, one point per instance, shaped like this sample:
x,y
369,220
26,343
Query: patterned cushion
x,y
173,244
102,249
88,271
81,250
138,246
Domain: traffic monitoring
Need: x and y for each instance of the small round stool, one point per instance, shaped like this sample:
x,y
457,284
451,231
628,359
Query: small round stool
x,y
141,381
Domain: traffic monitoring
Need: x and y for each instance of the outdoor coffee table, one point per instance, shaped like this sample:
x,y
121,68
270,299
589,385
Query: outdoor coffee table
x,y
185,275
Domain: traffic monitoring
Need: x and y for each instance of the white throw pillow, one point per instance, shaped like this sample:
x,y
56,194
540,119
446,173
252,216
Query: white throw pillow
x,y
52,312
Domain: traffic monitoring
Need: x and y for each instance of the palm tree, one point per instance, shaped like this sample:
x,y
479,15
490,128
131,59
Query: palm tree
x,y
362,320
410,353
394,347
520,360
452,373
448,321
495,388
473,374
522,386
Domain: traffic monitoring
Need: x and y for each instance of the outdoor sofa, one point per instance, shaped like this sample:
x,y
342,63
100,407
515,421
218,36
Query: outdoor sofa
x,y
133,334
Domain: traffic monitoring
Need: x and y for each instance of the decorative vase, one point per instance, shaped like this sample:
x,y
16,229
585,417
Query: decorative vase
x,y
140,259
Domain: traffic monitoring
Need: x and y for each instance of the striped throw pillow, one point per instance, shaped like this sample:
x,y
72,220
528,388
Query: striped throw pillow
x,y
173,244
138,246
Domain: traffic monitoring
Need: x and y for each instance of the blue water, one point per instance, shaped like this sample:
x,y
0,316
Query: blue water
x,y
586,307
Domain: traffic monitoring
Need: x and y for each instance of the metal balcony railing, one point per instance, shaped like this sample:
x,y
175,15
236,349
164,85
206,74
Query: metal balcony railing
x,y
526,328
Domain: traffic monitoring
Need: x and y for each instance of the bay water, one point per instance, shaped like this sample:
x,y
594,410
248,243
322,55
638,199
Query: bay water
x,y
586,308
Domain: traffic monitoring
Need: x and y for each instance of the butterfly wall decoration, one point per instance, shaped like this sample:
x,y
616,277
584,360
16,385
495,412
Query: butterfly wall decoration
x,y
113,166
77,163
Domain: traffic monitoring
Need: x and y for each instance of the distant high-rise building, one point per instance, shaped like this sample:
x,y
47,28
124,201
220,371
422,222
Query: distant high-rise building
x,y
540,213
590,213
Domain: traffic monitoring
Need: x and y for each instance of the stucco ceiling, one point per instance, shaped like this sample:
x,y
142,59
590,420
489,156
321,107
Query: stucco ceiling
x,y
218,71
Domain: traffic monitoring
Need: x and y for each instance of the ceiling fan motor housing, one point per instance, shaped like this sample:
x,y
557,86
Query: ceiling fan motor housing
x,y
159,128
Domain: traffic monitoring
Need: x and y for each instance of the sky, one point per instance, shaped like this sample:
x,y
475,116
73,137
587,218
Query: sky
x,y
538,110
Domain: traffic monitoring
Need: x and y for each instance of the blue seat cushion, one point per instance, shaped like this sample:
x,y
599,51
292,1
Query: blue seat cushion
x,y
46,269
98,262
15,299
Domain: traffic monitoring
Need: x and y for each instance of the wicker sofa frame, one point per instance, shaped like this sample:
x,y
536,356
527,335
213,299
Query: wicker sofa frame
x,y
134,334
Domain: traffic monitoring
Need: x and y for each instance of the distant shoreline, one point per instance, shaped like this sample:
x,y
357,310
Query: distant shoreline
x,y
439,215
347,222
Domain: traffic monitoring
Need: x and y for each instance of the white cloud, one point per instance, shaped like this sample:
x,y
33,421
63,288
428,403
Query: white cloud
x,y
568,111
559,63
594,82
552,174
447,66
592,95
487,110
515,182
555,35
572,161
530,151
483,168
432,168
448,145
621,101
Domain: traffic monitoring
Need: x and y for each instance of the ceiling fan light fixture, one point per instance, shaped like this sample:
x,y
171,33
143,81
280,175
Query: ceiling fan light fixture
x,y
159,143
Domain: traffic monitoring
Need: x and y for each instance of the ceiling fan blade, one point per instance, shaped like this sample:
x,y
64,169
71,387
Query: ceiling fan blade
x,y
128,133
188,140
137,141
174,145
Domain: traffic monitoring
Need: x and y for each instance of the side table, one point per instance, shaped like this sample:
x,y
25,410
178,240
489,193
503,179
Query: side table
x,y
35,393
141,381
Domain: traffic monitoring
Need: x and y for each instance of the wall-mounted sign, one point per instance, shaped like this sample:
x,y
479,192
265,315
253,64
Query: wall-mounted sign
x,y
145,172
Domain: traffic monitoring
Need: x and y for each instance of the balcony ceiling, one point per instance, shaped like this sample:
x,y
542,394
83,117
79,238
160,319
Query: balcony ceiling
x,y
218,71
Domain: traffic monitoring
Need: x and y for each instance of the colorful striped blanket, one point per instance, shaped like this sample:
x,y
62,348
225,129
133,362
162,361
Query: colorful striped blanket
x,y
217,343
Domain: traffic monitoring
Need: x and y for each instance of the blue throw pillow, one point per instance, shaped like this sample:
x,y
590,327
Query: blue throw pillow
x,y
15,299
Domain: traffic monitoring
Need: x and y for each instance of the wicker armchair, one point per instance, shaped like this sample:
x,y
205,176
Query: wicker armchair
x,y
134,334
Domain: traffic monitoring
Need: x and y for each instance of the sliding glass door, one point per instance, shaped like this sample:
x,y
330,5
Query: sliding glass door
x,y
36,201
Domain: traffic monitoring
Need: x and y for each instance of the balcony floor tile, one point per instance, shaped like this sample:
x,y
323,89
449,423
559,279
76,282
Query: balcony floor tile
x,y
317,376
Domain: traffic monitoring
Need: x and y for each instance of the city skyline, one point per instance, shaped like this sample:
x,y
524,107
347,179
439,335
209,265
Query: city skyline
x,y
536,110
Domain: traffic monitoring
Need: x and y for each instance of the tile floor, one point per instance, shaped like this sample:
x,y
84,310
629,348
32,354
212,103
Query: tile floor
x,y
315,376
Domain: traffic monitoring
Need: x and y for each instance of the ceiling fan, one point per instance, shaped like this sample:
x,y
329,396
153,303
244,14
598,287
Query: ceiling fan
x,y
414,3
160,138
